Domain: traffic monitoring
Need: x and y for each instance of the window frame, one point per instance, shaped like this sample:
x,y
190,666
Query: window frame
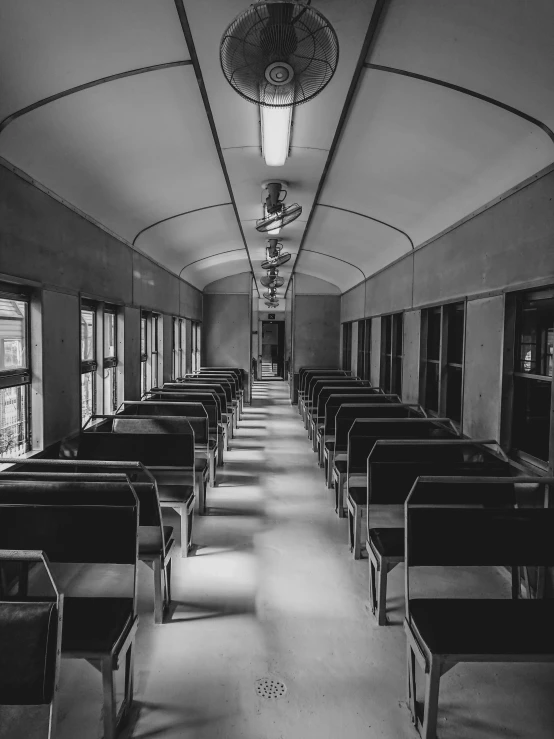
x,y
178,367
111,361
346,362
89,366
196,346
155,349
391,356
444,364
20,377
514,302
364,348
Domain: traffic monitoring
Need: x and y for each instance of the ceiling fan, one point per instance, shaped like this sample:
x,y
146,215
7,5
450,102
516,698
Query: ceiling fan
x,y
278,214
274,256
279,54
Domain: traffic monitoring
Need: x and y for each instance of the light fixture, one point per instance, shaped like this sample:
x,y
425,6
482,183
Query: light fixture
x,y
274,231
276,123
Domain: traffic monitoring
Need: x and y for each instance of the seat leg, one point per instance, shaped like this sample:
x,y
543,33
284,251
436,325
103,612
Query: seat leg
x,y
372,582
340,497
184,532
201,497
382,574
168,581
213,480
431,703
411,681
329,472
158,592
109,710
129,681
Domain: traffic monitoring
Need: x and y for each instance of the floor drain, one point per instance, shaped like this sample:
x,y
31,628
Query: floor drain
x,y
269,687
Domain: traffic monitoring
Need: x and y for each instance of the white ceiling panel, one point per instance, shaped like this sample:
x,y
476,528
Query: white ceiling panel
x,y
180,241
214,268
329,269
499,48
365,243
237,120
128,153
50,46
421,157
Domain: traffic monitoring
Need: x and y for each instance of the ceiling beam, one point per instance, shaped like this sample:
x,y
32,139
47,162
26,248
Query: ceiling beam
x,y
202,87
370,36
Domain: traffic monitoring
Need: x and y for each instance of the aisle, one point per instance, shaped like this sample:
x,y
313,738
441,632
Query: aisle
x,y
271,592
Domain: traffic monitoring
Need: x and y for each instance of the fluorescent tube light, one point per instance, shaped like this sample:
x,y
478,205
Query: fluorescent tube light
x,y
276,123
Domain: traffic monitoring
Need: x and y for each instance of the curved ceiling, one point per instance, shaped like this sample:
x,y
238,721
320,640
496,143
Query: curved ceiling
x,y
170,158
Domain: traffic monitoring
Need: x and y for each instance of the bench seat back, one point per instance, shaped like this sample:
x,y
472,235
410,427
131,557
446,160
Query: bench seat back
x,y
364,433
352,395
152,450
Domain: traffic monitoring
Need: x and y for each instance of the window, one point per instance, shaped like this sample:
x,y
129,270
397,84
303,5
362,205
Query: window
x,y
179,365
532,377
442,353
154,350
392,328
143,354
110,360
347,346
196,347
88,361
364,349
15,375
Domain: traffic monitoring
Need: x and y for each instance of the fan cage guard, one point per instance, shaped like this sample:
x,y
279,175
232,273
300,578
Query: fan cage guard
x,y
282,219
293,33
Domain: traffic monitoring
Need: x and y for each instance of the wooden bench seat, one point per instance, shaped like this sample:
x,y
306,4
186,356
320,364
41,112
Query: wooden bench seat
x,y
348,421
30,643
392,469
170,459
477,522
498,626
84,522
155,541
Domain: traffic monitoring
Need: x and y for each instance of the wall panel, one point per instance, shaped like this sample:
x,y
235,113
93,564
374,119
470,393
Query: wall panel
x,y
483,367
316,326
507,245
61,366
390,290
353,304
226,330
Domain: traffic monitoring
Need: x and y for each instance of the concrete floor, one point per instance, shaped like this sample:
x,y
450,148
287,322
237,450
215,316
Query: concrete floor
x,y
272,592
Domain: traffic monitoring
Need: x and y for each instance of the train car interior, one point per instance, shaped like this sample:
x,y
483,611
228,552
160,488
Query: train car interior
x,y
276,369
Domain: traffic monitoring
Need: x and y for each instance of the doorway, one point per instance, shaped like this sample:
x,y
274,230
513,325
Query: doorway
x,y
273,349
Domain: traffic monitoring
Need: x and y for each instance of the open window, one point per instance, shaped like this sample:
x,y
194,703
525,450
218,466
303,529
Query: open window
x,y
110,360
89,364
15,373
